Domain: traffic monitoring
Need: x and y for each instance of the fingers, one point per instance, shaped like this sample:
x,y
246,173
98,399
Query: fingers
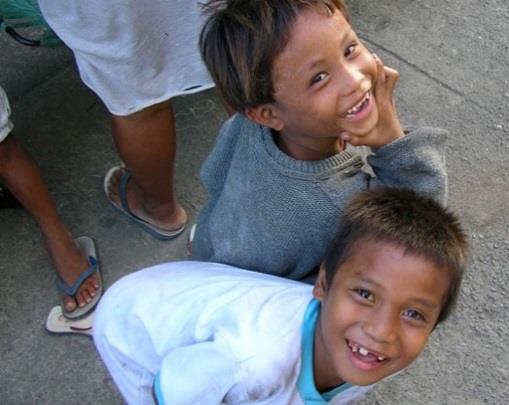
x,y
380,69
386,77
352,139
391,77
345,137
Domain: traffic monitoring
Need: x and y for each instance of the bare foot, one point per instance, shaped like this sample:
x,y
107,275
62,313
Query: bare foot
x,y
70,264
169,216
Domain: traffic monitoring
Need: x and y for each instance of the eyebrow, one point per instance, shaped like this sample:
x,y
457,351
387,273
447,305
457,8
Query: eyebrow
x,y
346,34
314,64
426,303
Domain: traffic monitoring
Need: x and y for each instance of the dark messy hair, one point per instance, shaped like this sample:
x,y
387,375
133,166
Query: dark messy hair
x,y
241,38
418,224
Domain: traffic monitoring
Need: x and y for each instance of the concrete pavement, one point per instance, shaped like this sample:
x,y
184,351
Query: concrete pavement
x,y
453,59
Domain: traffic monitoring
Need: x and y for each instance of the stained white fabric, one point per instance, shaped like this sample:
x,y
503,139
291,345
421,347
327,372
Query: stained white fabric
x,y
213,333
132,53
5,112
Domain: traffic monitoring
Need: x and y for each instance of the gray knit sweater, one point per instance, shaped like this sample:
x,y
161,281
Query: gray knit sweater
x,y
271,213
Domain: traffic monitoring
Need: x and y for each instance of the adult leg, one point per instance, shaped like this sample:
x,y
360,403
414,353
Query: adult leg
x,y
146,143
22,176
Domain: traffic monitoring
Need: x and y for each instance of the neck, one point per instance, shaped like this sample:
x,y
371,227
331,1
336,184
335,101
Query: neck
x,y
323,369
316,149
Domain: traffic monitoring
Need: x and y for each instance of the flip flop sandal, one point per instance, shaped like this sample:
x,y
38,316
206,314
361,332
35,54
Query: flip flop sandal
x,y
152,230
58,323
87,248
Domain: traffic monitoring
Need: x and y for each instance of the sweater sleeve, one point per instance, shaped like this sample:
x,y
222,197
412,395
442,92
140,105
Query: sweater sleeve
x,y
416,161
197,374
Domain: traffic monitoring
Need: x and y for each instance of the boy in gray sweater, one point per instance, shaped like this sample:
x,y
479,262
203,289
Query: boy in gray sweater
x,y
303,86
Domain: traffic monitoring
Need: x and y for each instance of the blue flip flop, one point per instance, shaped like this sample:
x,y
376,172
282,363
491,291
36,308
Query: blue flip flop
x,y
87,248
152,230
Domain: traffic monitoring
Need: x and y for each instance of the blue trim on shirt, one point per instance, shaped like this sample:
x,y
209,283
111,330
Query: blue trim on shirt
x,y
306,380
157,390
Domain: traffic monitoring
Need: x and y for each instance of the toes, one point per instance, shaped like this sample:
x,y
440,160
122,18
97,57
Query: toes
x,y
69,303
90,287
88,290
92,283
83,297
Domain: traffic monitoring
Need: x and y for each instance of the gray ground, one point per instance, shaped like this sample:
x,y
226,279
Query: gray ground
x,y
453,58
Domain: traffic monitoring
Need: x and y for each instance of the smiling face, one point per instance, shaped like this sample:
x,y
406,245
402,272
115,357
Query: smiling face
x,y
376,316
323,83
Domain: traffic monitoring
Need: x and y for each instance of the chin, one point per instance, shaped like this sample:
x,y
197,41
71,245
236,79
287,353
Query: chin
x,y
363,379
365,127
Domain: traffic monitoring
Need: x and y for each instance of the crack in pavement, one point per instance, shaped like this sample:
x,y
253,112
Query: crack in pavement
x,y
426,74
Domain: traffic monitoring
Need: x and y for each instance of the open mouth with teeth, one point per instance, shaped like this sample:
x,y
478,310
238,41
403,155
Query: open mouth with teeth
x,y
360,107
364,358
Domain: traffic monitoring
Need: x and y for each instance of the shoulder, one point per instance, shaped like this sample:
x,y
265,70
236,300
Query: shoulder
x,y
239,123
268,349
237,130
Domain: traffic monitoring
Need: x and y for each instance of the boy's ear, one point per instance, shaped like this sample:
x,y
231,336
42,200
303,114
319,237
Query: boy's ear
x,y
266,116
320,288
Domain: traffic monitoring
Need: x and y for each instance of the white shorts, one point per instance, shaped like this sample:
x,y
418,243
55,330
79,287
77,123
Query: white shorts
x,y
132,53
5,112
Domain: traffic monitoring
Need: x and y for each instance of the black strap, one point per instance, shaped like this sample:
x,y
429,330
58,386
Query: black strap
x,y
18,37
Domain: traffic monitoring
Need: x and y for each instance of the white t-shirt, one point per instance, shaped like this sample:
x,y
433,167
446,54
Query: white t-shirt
x,y
211,334
132,53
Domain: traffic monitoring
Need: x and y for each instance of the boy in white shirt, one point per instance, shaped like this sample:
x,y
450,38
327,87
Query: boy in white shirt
x,y
207,333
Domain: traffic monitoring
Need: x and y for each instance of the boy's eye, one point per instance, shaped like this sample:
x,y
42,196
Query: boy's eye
x,y
318,78
350,49
367,295
413,314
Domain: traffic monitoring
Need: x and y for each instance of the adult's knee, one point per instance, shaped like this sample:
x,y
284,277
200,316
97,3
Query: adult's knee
x,y
147,113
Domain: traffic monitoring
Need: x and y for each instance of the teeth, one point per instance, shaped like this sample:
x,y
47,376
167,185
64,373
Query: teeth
x,y
363,351
357,107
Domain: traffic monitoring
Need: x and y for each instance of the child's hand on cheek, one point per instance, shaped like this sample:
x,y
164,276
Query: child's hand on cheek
x,y
388,127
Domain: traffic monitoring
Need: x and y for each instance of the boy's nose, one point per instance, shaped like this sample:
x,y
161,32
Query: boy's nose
x,y
381,326
351,80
